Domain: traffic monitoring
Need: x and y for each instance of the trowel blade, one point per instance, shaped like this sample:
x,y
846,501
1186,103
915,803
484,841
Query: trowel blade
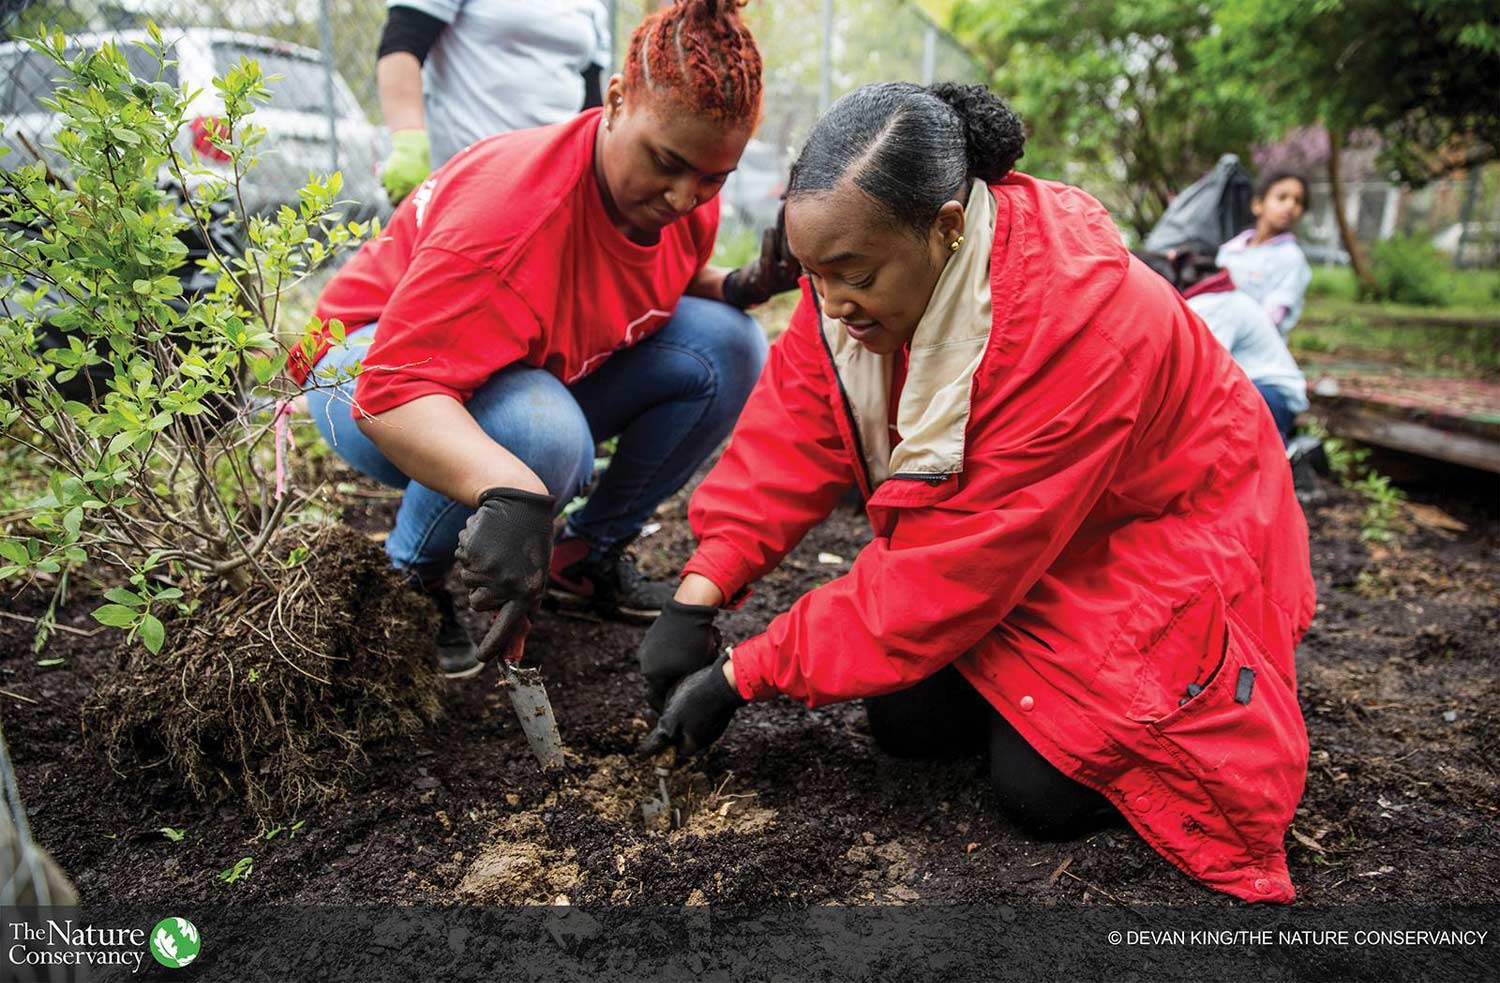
x,y
534,710
507,639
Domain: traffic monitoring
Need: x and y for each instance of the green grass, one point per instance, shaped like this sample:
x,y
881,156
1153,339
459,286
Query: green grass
x,y
1461,337
1422,343
1469,294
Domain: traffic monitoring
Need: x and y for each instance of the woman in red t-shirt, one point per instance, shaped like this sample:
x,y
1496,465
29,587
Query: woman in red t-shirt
x,y
544,290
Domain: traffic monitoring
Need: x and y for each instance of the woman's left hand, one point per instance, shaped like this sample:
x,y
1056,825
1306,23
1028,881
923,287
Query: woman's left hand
x,y
682,640
774,271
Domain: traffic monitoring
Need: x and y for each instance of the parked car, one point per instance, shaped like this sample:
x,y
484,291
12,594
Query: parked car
x,y
297,142
296,120
752,195
1481,246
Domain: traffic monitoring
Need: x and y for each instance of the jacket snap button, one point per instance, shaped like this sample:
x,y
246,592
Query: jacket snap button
x,y
1263,886
1027,703
1143,802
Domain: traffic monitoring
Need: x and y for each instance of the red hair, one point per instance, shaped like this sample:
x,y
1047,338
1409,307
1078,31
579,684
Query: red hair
x,y
700,53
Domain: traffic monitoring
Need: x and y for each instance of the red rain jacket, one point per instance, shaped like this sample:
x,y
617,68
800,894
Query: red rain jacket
x,y
1123,524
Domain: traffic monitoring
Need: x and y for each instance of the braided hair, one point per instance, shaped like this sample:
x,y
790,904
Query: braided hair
x,y
700,53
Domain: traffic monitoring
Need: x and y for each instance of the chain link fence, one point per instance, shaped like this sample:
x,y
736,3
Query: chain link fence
x,y
324,113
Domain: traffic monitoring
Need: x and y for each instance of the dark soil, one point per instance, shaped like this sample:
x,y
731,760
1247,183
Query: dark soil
x,y
1400,685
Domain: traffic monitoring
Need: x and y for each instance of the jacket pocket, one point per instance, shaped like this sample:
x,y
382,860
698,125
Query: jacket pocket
x,y
1179,649
1241,737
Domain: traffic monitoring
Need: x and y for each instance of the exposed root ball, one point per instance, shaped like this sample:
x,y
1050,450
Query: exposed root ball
x,y
273,696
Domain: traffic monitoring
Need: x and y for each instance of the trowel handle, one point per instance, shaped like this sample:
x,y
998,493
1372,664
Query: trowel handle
x,y
506,638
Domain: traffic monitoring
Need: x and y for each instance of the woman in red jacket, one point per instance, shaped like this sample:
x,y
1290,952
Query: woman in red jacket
x,y
1086,551
544,290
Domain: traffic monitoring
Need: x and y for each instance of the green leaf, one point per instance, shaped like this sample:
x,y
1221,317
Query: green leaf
x,y
121,440
114,615
175,835
152,633
49,662
127,598
241,868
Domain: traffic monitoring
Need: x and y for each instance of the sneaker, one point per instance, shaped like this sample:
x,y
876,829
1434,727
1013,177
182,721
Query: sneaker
x,y
457,657
1309,449
1308,459
605,582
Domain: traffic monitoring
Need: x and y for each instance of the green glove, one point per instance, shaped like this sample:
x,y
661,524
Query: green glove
x,y
408,165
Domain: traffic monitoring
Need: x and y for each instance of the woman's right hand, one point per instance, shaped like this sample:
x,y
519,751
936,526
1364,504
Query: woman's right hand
x,y
505,548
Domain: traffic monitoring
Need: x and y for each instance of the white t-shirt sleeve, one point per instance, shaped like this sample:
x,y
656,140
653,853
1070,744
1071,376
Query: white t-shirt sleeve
x,y
444,10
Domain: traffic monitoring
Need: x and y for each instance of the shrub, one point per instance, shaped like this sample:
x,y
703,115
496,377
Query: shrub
x,y
1408,270
1332,281
145,421
147,426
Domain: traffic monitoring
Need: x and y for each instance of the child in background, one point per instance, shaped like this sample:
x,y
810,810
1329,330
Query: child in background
x,y
1265,261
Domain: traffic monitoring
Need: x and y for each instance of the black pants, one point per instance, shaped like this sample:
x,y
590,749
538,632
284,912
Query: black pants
x,y
943,716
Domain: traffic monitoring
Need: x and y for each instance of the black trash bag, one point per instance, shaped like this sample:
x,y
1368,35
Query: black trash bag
x,y
1209,213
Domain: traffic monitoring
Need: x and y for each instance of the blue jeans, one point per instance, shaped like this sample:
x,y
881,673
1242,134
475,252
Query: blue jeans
x,y
1280,412
671,399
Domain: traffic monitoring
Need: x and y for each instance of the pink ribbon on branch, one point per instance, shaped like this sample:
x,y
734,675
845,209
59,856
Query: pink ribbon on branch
x,y
283,436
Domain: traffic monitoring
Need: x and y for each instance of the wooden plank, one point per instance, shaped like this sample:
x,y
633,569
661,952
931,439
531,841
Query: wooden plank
x,y
1356,419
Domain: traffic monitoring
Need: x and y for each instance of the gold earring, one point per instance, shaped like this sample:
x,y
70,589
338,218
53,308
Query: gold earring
x,y
953,246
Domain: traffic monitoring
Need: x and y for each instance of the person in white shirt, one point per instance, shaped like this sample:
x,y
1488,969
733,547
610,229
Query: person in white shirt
x,y
1241,325
451,72
1265,261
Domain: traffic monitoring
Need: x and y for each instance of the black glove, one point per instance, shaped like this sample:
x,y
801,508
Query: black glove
x,y
505,548
681,641
698,710
774,272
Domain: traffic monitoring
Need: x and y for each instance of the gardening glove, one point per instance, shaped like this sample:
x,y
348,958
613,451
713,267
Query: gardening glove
x,y
698,710
681,641
407,166
774,272
505,548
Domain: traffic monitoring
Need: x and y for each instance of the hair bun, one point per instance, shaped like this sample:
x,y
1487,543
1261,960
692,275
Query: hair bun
x,y
994,137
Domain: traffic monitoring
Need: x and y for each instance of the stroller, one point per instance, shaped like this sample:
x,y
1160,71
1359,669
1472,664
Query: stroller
x,y
1206,215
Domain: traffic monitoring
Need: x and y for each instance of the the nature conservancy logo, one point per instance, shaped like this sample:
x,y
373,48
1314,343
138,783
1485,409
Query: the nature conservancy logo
x,y
63,942
174,942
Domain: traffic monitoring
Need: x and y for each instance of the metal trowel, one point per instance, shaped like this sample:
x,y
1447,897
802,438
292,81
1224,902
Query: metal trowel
x,y
507,640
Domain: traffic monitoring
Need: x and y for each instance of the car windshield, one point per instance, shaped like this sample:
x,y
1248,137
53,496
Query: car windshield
x,y
300,89
30,76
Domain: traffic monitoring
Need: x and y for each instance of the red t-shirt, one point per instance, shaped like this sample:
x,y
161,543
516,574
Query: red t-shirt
x,y
506,254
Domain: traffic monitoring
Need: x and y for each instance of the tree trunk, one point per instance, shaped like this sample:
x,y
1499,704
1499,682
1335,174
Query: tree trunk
x,y
1357,259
